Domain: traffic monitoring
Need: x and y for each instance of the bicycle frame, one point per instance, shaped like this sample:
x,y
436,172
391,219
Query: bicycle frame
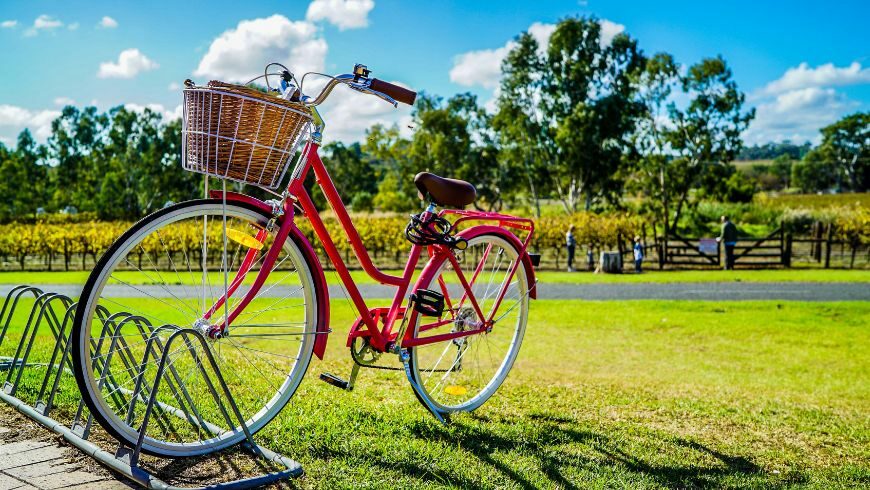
x,y
367,324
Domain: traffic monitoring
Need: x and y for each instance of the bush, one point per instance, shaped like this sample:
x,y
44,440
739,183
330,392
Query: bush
x,y
362,201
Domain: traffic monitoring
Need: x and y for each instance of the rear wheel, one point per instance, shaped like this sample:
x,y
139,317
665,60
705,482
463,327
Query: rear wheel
x,y
161,276
460,374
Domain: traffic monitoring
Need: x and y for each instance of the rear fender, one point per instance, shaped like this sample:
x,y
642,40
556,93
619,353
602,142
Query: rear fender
x,y
478,230
309,256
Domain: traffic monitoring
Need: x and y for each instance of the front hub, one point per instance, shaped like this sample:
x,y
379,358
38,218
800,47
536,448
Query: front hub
x,y
213,332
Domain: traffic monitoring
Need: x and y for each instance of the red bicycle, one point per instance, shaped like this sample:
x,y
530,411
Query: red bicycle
x,y
238,271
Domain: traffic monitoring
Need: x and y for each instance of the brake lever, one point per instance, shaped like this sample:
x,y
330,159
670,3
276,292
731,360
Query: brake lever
x,y
364,88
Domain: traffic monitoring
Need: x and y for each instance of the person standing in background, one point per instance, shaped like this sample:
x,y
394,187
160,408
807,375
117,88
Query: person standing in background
x,y
728,236
571,243
638,255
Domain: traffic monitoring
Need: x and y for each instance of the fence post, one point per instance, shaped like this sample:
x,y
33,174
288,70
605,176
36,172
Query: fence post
x,y
660,255
828,246
817,243
786,256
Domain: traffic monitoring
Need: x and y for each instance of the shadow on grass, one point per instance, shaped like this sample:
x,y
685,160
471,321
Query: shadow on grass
x,y
564,454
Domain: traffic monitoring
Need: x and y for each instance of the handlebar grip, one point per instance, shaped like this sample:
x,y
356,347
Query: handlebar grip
x,y
398,93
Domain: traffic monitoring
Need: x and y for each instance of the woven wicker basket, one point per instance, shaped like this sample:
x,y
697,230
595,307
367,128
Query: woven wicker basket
x,y
239,133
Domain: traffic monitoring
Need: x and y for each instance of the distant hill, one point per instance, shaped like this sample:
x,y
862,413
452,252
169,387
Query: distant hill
x,y
769,151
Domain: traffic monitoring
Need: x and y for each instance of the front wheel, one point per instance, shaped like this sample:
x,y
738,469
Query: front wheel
x,y
166,273
460,374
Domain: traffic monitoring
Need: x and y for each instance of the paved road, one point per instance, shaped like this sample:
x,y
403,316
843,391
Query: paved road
x,y
710,291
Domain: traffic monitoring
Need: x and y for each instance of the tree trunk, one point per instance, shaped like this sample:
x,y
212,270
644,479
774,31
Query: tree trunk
x,y
665,210
532,188
679,211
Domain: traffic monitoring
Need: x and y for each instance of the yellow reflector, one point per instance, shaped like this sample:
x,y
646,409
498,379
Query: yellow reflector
x,y
244,239
455,390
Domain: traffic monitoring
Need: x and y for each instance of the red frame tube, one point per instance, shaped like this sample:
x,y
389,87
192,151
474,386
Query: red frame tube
x,y
380,338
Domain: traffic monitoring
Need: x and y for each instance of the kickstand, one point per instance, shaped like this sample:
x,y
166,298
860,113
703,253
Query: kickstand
x,y
442,417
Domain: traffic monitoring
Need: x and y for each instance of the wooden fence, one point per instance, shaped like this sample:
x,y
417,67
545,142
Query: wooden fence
x,y
778,249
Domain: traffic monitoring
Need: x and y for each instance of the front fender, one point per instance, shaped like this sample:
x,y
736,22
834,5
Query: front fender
x,y
308,254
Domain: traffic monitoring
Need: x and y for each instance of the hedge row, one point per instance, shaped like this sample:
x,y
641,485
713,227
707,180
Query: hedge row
x,y
383,235
851,223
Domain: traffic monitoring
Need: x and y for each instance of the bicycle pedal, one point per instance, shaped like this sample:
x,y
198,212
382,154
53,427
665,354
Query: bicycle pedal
x,y
334,380
428,302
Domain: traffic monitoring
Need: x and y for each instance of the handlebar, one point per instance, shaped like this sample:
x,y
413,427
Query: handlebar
x,y
400,94
361,83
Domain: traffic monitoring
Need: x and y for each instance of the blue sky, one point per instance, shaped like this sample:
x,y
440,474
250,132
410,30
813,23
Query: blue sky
x,y
802,64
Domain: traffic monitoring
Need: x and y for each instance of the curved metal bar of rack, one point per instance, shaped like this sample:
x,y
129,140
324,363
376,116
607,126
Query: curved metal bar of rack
x,y
57,311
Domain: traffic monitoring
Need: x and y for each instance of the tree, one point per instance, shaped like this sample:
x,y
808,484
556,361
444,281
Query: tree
x,y
75,135
707,132
350,170
780,168
453,139
772,150
657,168
518,122
581,100
813,173
24,187
846,143
388,153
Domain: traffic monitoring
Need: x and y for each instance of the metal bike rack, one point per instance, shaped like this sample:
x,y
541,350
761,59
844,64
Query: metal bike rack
x,y
57,312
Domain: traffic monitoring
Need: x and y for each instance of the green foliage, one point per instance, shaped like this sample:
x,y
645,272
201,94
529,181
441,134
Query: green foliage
x,y
575,99
362,201
350,170
691,148
772,150
813,174
846,144
454,139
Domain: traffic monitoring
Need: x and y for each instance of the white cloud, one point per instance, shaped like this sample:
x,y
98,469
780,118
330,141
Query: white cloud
x,y
609,30
797,115
168,114
348,114
480,67
344,14
130,63
46,22
14,119
73,26
64,101
108,22
8,24
827,75
483,67
802,101
174,86
43,23
239,54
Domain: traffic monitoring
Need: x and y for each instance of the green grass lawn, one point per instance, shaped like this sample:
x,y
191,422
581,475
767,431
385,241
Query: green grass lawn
x,y
634,394
654,276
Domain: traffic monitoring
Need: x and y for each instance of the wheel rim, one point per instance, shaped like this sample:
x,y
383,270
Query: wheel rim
x,y
461,374
262,360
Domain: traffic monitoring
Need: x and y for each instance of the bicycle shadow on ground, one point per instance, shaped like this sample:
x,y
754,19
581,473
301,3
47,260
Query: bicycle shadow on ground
x,y
556,447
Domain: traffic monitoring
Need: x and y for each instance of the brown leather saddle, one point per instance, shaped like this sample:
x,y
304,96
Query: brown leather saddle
x,y
445,192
